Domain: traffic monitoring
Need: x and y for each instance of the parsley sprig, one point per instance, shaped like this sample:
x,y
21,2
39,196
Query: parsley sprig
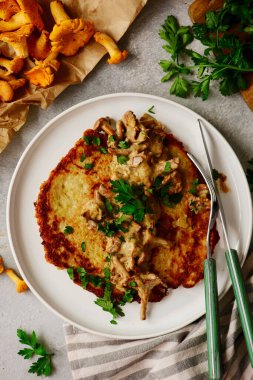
x,y
132,198
43,366
225,59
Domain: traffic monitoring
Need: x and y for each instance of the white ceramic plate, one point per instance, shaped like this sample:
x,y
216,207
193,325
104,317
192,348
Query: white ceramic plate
x,y
53,287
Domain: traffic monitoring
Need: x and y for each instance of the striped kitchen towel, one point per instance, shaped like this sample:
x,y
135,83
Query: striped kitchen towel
x,y
179,355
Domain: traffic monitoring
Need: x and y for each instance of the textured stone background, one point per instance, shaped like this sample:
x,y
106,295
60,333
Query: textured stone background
x,y
140,73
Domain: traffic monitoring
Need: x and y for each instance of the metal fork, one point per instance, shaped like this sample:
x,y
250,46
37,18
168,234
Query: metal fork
x,y
211,290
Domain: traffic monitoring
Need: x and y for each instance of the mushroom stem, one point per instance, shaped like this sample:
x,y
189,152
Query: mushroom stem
x,y
21,285
116,56
58,12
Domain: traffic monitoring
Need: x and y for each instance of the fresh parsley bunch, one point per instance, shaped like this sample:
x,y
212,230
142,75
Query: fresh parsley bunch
x,y
43,366
227,56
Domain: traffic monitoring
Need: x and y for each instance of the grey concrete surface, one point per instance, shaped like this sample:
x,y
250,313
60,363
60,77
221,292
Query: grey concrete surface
x,y
139,73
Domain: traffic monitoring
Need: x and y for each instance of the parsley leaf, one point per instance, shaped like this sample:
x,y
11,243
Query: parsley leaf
x,y
103,150
96,141
82,158
167,168
122,160
87,140
43,366
151,109
132,198
180,87
89,166
87,278
83,246
123,144
70,272
68,230
108,304
193,189
128,296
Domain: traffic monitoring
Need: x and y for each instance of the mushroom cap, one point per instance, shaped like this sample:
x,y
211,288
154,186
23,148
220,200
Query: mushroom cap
x,y
41,76
17,39
8,9
14,65
68,37
6,91
34,10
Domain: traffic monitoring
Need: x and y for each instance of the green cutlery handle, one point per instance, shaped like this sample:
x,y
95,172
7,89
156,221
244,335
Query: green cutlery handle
x,y
242,300
212,320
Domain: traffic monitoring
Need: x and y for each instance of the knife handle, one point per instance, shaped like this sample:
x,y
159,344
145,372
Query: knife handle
x,y
212,320
242,299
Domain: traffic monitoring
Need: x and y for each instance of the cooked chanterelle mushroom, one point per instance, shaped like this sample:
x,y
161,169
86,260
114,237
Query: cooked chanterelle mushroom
x,y
68,35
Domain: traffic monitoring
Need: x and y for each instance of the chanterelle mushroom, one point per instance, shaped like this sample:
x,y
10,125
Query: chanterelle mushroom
x,y
68,35
18,40
30,13
8,9
14,65
42,74
7,88
20,284
116,56
1,265
39,47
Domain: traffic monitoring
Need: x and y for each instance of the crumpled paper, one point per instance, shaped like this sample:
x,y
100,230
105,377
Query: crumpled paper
x,y
110,16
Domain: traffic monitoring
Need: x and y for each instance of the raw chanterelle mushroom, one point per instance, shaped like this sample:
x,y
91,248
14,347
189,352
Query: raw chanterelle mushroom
x,y
14,65
7,88
30,13
68,35
8,9
18,40
39,46
43,73
116,56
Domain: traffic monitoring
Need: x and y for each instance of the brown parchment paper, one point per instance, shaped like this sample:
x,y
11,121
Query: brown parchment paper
x,y
110,16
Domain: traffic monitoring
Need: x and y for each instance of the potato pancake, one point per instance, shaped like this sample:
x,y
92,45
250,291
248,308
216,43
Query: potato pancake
x,y
126,213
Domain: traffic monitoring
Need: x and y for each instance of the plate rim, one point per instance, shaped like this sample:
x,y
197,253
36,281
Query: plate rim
x,y
22,158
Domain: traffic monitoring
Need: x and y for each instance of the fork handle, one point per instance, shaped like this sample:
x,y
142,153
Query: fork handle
x,y
212,320
242,299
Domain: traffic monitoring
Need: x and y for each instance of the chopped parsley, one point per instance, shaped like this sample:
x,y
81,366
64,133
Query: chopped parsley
x,y
103,150
108,206
122,239
132,198
86,278
158,181
70,272
111,228
89,166
193,189
82,158
151,109
167,168
83,246
132,284
122,160
128,296
111,138
68,230
96,141
108,258
123,144
108,304
87,140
